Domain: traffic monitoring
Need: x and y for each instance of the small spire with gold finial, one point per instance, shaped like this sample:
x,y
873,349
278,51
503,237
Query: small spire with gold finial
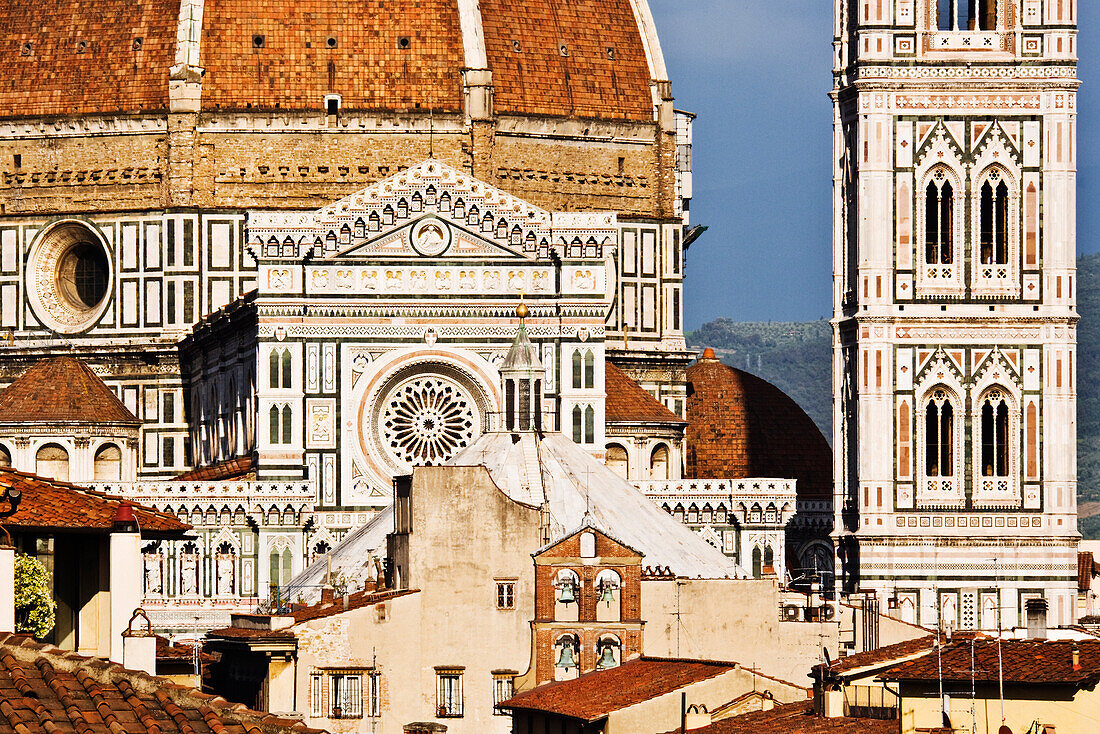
x,y
521,310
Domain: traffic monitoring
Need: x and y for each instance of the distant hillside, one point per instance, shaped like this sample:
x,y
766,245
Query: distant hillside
x,y
796,357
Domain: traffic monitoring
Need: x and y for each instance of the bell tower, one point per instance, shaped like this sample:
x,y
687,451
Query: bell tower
x,y
954,307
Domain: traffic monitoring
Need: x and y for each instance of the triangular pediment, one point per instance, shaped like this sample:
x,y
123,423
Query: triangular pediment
x,y
431,210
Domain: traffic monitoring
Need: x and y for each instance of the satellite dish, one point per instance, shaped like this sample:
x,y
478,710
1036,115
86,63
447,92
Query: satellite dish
x,y
1004,729
828,663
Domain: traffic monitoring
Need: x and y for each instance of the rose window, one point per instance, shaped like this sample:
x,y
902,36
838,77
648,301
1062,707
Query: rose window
x,y
427,419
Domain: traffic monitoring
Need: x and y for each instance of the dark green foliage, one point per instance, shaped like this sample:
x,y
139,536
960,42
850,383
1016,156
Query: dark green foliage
x,y
1088,376
795,357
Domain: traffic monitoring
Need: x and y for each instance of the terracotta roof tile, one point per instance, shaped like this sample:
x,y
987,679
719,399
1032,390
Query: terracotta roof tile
x,y
171,652
71,57
594,695
602,71
628,402
796,718
62,389
740,426
241,468
1086,568
355,601
350,47
44,690
881,656
1032,662
358,600
49,504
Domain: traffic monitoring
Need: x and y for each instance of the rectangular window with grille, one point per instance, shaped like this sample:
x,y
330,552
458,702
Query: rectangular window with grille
x,y
448,693
506,595
503,689
345,696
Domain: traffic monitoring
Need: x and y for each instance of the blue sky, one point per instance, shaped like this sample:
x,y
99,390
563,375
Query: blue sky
x,y
758,73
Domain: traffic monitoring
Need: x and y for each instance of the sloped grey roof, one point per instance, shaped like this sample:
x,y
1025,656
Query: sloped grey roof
x,y
574,484
351,561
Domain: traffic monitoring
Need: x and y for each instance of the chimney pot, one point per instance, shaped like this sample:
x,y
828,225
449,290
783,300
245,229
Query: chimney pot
x,y
125,520
1036,610
328,595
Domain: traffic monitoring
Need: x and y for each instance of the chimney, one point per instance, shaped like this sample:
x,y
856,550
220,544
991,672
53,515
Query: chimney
x,y
1036,610
7,588
1076,657
328,596
126,576
139,645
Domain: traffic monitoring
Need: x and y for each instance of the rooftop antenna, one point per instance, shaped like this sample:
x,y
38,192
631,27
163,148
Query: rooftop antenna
x,y
939,653
1000,661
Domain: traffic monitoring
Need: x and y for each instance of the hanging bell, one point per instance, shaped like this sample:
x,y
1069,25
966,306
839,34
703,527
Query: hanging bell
x,y
566,659
567,595
607,593
607,658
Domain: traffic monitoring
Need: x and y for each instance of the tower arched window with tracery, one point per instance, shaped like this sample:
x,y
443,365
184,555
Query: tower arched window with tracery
x,y
995,208
939,220
939,436
994,222
995,435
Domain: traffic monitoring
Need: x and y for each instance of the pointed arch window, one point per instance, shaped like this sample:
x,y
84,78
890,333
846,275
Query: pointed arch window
x,y
589,370
939,433
939,220
577,370
995,435
994,221
578,424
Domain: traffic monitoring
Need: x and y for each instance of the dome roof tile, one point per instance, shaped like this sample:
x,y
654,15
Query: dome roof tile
x,y
741,426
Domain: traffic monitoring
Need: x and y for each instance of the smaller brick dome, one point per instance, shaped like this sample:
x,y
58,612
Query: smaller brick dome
x,y
742,426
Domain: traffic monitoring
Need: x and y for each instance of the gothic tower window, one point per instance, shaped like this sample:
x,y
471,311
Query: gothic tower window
x,y
939,432
577,370
994,222
995,435
939,220
966,15
281,427
279,368
589,370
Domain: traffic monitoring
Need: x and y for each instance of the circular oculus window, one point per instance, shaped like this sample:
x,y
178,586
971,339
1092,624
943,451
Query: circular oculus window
x,y
426,415
69,277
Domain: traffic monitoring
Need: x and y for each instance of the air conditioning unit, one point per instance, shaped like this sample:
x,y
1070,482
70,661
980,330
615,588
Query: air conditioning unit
x,y
792,612
828,611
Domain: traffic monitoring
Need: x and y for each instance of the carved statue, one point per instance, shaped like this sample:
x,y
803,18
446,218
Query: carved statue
x,y
189,574
153,573
224,568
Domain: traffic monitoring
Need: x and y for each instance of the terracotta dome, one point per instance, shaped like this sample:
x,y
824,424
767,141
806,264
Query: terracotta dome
x,y
742,426
574,58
